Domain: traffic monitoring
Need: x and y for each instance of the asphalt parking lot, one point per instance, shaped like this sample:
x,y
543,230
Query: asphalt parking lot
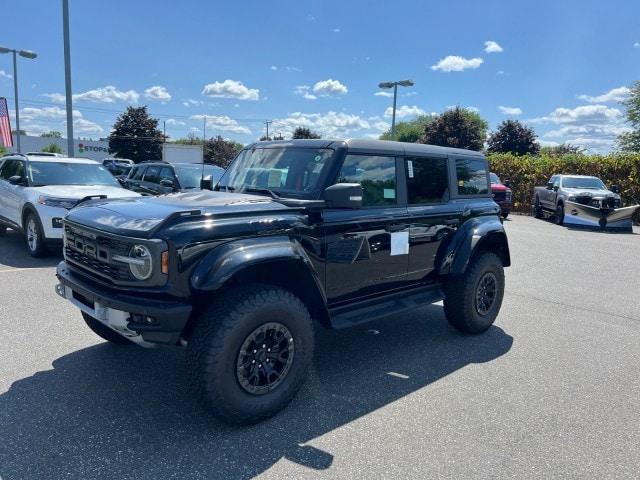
x,y
552,390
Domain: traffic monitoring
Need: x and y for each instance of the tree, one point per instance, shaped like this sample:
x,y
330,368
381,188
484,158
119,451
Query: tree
x,y
220,152
564,149
264,138
458,127
20,132
52,148
410,131
513,137
135,135
2,150
630,141
303,132
52,134
191,139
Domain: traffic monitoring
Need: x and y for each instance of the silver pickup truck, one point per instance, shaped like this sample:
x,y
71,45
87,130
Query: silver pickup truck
x,y
584,201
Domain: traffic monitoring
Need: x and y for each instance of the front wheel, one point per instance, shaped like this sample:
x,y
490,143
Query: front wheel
x,y
249,352
559,215
537,209
473,300
34,236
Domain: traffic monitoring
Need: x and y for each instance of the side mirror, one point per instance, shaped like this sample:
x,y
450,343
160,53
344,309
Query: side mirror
x,y
17,180
555,188
549,186
206,183
344,195
615,189
165,182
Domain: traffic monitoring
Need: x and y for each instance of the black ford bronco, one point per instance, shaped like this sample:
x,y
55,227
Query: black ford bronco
x,y
296,234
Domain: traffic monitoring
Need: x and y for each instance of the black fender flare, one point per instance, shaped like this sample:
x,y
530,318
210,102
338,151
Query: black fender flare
x,y
228,259
473,235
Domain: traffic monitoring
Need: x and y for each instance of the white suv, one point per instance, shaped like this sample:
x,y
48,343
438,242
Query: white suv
x,y
37,191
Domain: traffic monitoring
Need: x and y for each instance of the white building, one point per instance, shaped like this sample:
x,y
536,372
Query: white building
x,y
93,149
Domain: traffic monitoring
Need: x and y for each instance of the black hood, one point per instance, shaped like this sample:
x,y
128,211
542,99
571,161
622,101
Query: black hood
x,y
140,215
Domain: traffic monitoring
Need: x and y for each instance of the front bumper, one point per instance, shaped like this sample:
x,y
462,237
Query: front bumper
x,y
119,310
579,215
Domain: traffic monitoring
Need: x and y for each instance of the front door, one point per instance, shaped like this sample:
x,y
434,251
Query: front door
x,y
366,250
11,194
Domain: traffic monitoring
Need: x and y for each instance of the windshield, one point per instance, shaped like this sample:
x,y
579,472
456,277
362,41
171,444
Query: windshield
x,y
60,173
286,171
190,175
583,182
494,178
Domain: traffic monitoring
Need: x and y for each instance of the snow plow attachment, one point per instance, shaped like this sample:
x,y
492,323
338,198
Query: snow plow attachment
x,y
586,216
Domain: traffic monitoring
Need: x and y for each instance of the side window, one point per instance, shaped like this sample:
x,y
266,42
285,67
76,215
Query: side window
x,y
152,175
427,180
471,174
133,172
556,182
8,167
377,175
138,174
166,174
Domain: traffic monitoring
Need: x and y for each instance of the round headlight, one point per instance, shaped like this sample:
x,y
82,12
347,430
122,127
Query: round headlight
x,y
142,265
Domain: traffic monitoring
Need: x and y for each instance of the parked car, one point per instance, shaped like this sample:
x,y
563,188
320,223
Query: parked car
x,y
156,178
502,194
118,166
36,192
297,234
44,154
582,201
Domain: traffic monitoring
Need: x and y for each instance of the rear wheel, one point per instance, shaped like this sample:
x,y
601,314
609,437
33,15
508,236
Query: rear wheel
x,y
505,214
105,332
559,215
537,209
473,299
249,352
34,236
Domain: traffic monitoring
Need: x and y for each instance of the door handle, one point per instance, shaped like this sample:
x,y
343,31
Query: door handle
x,y
451,221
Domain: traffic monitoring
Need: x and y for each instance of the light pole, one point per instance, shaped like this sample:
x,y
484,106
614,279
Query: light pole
x,y
394,85
25,54
67,76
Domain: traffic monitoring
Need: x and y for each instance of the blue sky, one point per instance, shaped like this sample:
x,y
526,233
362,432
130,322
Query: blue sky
x,y
560,66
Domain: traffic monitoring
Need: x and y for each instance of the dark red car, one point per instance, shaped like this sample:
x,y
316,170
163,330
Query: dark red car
x,y
501,194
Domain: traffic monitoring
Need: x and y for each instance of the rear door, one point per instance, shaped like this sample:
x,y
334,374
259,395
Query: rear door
x,y
432,216
367,249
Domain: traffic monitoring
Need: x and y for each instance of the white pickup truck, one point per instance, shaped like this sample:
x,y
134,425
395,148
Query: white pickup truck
x,y
37,191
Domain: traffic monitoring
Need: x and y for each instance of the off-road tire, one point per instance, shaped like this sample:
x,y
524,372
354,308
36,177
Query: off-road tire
x,y
460,291
537,209
105,332
38,247
559,215
505,215
220,330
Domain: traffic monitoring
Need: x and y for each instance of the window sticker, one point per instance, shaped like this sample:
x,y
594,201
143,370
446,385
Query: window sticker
x,y
410,168
389,193
400,243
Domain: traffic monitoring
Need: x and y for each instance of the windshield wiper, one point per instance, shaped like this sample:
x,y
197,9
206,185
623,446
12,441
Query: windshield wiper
x,y
271,193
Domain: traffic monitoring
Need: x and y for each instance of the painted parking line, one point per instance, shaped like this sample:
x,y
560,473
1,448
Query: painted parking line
x,y
22,269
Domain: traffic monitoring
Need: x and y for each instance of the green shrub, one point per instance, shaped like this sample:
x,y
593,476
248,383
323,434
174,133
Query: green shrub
x,y
528,171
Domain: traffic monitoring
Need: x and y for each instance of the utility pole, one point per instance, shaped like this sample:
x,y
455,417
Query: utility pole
x,y
67,77
394,85
267,123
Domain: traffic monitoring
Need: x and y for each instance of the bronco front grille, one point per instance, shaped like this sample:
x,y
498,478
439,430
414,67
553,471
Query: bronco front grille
x,y
94,252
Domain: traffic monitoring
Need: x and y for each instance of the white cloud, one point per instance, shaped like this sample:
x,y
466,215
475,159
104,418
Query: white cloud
x,y
303,90
330,87
614,95
329,125
55,97
190,102
636,45
273,67
82,125
455,63
310,18
582,114
231,89
510,110
290,68
222,123
381,125
491,46
405,111
173,121
49,113
5,74
108,94
157,93
383,94
336,30
409,94
451,107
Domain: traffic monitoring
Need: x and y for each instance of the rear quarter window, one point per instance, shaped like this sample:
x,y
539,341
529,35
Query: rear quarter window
x,y
471,176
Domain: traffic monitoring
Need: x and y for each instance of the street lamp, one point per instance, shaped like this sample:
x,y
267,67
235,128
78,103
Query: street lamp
x,y
394,85
26,54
